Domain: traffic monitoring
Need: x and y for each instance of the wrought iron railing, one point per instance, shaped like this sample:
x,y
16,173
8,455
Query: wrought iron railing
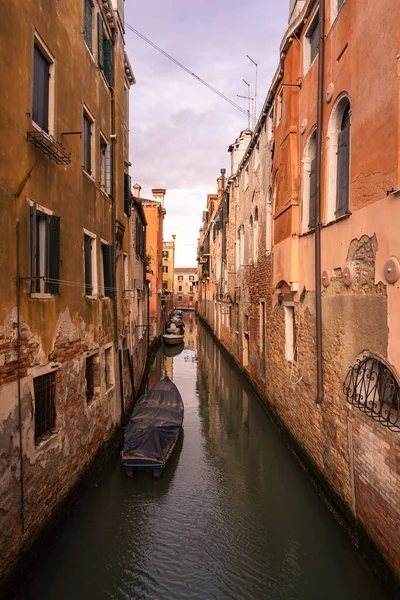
x,y
372,388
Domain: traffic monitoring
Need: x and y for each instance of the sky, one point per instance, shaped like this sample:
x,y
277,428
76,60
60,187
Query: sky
x,y
179,129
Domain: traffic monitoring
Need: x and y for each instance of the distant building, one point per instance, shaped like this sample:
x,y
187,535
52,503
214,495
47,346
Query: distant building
x,y
168,256
185,287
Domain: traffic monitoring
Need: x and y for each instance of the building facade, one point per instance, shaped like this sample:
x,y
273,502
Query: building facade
x,y
67,316
313,277
169,265
185,287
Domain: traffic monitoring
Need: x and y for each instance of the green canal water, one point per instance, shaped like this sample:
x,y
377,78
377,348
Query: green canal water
x,y
234,516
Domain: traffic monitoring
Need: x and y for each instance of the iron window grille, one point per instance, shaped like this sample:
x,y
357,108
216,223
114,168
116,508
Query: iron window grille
x,y
371,387
89,374
45,408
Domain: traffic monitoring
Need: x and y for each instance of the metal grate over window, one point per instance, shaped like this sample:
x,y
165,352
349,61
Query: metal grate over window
x,y
45,408
372,388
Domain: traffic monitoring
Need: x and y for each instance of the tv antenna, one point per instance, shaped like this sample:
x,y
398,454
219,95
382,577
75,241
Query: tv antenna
x,y
255,87
249,99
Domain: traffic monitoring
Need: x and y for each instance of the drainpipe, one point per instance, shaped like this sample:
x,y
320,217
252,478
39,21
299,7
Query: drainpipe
x,y
21,462
318,305
113,233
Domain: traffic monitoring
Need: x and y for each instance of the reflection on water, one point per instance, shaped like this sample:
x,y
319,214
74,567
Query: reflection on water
x,y
233,515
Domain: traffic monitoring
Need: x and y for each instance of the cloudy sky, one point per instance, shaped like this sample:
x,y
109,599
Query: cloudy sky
x,y
180,130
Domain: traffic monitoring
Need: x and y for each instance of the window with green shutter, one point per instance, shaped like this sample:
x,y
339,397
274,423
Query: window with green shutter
x,y
88,24
343,166
106,252
105,52
127,194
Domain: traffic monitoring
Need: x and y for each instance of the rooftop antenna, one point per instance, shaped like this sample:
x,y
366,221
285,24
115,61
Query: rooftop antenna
x,y
248,98
255,91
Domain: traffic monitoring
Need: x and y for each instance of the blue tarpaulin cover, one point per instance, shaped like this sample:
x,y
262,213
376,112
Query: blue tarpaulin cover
x,y
155,423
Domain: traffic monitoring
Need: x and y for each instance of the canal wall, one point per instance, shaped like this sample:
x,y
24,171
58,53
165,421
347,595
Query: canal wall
x,y
336,504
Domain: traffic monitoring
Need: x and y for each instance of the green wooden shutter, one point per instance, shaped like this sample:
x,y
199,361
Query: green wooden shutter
x,y
107,270
87,32
108,165
127,194
313,194
100,40
343,170
32,245
108,53
53,256
87,243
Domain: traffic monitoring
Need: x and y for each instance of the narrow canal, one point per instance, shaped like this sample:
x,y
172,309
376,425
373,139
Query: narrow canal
x,y
233,516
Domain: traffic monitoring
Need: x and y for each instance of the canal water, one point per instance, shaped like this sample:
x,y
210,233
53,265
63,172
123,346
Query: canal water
x,y
233,516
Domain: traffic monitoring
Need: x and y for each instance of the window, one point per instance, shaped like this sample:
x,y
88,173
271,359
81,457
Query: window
x,y
190,298
179,288
262,327
44,251
311,46
140,239
109,368
338,172
89,249
45,406
105,166
280,106
270,125
290,334
191,277
179,298
256,156
268,225
106,258
309,190
180,277
255,236
127,195
89,375
165,254
43,88
88,24
165,285
126,272
165,269
87,143
246,177
105,52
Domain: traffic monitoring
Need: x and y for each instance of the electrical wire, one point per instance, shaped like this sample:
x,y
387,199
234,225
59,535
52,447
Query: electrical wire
x,y
181,66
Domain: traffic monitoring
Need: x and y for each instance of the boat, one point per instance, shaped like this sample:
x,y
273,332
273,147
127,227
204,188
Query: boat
x,y
172,351
172,339
151,434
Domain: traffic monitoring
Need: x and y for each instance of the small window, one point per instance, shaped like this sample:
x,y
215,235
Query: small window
x,y
105,166
41,89
109,368
88,24
290,331
165,254
107,270
246,177
89,375
191,277
87,143
44,252
179,298
165,285
179,288
191,298
280,106
180,277
45,406
165,269
89,245
311,46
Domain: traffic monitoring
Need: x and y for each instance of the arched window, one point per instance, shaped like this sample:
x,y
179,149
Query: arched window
x,y
372,387
255,236
339,139
308,216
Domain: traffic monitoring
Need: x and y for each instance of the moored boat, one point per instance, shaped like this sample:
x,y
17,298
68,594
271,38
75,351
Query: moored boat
x,y
172,339
153,429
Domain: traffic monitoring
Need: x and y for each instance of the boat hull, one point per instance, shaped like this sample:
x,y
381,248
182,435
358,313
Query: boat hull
x,y
172,339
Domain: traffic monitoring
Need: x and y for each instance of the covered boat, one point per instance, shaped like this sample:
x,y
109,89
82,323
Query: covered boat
x,y
173,339
153,429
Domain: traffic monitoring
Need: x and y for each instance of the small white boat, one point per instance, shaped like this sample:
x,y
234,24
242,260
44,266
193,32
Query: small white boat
x,y
173,339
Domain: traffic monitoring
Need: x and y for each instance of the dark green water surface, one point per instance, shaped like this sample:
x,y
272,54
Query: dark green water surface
x,y
233,516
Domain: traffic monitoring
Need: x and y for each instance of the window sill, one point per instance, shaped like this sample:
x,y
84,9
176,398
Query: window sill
x,y
46,439
93,297
89,50
341,218
42,296
88,175
110,389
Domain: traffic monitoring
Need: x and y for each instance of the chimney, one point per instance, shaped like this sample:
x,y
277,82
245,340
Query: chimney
x,y
158,195
136,190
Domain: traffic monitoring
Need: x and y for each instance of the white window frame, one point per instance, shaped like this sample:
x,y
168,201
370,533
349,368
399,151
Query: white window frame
x,y
307,42
105,165
332,146
93,254
90,118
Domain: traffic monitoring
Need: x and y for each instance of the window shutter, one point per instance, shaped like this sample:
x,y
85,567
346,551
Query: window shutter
x,y
144,241
107,271
100,40
343,171
108,54
32,244
53,256
313,194
108,164
137,236
41,75
127,194
88,24
88,265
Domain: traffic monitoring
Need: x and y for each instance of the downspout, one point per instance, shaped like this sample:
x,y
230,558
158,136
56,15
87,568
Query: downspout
x,y
318,303
113,233
21,462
